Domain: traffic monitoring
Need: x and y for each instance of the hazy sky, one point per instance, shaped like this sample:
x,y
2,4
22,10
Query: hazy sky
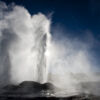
x,y
76,18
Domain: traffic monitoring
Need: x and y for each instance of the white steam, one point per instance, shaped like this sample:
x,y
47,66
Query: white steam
x,y
28,52
25,38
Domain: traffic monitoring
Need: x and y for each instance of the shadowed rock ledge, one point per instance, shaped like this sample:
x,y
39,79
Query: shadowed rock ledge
x,y
29,90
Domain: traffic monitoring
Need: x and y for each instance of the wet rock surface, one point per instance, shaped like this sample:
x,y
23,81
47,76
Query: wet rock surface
x,y
30,90
27,89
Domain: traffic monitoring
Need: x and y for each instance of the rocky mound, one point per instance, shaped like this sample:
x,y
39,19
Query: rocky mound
x,y
28,89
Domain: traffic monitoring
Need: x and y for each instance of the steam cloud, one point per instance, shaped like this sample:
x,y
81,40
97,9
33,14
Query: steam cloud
x,y
29,52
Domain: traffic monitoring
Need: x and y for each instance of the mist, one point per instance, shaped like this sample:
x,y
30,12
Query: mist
x,y
28,51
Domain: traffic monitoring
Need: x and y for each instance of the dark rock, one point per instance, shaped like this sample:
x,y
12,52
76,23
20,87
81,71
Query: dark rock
x,y
29,90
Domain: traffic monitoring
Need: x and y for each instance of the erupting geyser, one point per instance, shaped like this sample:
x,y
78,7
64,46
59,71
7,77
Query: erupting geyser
x,y
27,52
25,39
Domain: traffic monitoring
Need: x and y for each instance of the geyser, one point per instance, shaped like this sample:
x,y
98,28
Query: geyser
x,y
25,39
27,52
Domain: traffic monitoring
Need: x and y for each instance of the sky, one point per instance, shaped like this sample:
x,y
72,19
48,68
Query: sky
x,y
77,18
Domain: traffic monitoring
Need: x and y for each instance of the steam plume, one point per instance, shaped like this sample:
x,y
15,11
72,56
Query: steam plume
x,y
29,52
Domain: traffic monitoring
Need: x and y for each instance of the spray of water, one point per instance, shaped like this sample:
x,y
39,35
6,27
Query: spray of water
x,y
28,52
